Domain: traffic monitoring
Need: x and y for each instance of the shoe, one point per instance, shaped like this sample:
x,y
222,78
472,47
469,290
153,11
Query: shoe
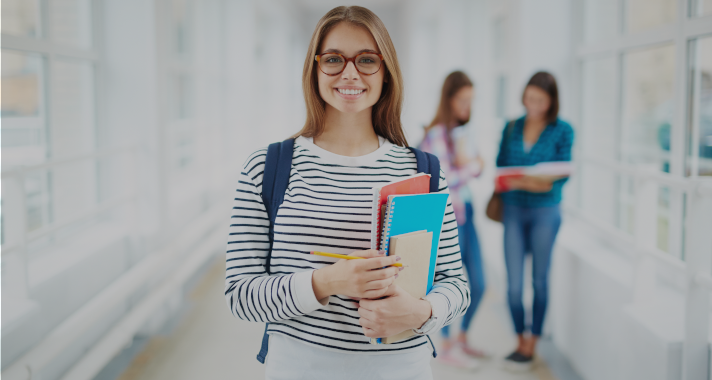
x,y
455,357
516,362
474,352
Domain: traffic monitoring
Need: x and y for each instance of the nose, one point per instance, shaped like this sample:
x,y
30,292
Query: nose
x,y
350,72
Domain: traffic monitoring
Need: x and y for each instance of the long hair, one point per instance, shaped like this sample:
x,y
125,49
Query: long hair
x,y
546,82
454,82
386,112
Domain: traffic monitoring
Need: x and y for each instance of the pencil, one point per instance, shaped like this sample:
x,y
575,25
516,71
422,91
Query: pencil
x,y
336,255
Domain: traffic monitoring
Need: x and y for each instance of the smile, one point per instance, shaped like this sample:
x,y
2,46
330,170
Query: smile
x,y
349,91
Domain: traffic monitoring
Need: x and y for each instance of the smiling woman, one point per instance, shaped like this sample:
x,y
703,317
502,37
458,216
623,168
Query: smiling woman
x,y
322,312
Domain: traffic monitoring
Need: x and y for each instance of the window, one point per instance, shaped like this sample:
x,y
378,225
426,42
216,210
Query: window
x,y
699,147
638,144
52,167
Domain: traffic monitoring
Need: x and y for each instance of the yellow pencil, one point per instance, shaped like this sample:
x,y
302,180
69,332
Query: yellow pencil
x,y
336,255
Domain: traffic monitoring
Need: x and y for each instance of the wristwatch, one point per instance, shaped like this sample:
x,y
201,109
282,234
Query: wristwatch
x,y
429,324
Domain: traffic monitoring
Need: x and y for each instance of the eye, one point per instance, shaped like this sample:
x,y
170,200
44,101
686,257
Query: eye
x,y
333,60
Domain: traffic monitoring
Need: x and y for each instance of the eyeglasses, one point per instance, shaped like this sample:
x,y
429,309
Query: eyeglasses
x,y
335,63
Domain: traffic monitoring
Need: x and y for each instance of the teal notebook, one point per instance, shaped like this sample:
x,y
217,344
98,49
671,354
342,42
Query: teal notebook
x,y
417,212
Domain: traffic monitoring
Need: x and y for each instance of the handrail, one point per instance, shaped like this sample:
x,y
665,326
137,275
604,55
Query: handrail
x,y
665,179
54,343
48,229
121,334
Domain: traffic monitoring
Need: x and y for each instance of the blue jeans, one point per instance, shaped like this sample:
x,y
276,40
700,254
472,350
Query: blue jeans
x,y
529,229
472,262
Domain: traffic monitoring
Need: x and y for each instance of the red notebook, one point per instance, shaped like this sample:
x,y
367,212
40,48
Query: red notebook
x,y
415,184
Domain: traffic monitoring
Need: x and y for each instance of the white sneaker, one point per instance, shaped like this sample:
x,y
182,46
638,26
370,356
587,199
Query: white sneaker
x,y
454,357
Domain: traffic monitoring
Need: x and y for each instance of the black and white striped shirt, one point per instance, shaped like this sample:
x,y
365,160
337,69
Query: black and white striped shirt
x,y
327,207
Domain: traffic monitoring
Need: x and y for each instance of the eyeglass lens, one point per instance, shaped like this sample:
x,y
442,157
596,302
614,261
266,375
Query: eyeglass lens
x,y
365,63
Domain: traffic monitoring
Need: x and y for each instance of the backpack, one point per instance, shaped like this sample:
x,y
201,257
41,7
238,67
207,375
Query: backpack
x,y
275,179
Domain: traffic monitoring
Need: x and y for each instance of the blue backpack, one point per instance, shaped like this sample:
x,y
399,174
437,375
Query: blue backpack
x,y
278,166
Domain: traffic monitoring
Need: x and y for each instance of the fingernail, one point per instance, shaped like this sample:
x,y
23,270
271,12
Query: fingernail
x,y
397,258
382,252
400,269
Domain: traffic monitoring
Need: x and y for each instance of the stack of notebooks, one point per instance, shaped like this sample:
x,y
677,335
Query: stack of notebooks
x,y
407,221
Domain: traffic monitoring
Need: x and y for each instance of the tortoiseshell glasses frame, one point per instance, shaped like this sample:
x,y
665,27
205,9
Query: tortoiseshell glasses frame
x,y
319,58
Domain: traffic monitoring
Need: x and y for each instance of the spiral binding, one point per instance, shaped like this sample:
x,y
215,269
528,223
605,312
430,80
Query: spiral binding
x,y
390,209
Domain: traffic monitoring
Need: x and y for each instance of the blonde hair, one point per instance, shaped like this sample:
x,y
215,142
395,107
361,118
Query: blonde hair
x,y
387,110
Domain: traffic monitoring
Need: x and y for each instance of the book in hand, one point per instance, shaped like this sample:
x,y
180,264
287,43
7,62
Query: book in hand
x,y
544,170
414,250
411,213
414,184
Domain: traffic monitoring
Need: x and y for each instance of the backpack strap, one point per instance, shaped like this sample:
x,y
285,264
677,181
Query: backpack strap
x,y
275,179
428,163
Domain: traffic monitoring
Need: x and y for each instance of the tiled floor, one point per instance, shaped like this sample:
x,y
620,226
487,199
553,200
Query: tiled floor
x,y
209,343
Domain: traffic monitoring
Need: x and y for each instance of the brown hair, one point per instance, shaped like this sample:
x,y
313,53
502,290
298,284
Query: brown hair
x,y
454,82
546,82
387,111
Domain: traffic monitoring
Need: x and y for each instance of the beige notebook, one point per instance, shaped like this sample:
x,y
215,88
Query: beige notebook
x,y
414,250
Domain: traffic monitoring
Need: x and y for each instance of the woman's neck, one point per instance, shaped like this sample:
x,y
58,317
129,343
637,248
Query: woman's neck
x,y
347,134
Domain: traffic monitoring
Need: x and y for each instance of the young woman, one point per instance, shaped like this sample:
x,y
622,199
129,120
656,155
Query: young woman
x,y
323,312
531,209
459,167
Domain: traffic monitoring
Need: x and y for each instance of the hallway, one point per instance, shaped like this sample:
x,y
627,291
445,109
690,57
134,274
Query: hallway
x,y
208,343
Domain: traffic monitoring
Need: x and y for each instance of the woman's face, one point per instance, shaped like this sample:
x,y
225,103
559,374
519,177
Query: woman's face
x,y
537,102
349,40
461,103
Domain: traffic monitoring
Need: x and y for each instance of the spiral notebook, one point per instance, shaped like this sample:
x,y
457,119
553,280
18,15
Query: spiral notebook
x,y
415,184
411,213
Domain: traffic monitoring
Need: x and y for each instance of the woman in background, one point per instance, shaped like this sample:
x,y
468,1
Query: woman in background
x,y
531,215
459,167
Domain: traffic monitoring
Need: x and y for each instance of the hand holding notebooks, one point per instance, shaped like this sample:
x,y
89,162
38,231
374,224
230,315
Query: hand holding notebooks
x,y
414,250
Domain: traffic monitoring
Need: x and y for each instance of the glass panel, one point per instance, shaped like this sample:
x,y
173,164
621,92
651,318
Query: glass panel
x,y
599,134
21,73
648,14
37,200
701,8
648,78
700,143
70,22
182,95
23,123
600,19
180,28
72,95
21,18
598,193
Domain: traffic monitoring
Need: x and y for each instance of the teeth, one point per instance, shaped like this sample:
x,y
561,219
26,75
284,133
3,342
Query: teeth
x,y
350,92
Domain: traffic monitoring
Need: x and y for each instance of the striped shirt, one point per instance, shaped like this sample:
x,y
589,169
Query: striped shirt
x,y
327,207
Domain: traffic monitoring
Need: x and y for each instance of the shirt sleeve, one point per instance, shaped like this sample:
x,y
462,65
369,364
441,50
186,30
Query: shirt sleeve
x,y
435,142
251,293
563,149
450,295
501,156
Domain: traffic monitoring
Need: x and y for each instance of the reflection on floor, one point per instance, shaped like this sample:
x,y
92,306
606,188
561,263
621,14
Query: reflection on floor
x,y
209,343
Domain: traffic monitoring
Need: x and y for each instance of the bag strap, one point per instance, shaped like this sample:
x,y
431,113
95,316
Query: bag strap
x,y
275,179
278,166
428,163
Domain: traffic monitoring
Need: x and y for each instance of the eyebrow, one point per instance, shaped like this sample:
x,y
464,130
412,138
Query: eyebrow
x,y
342,53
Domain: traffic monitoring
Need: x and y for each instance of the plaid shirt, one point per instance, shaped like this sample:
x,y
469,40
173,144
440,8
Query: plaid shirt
x,y
554,144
